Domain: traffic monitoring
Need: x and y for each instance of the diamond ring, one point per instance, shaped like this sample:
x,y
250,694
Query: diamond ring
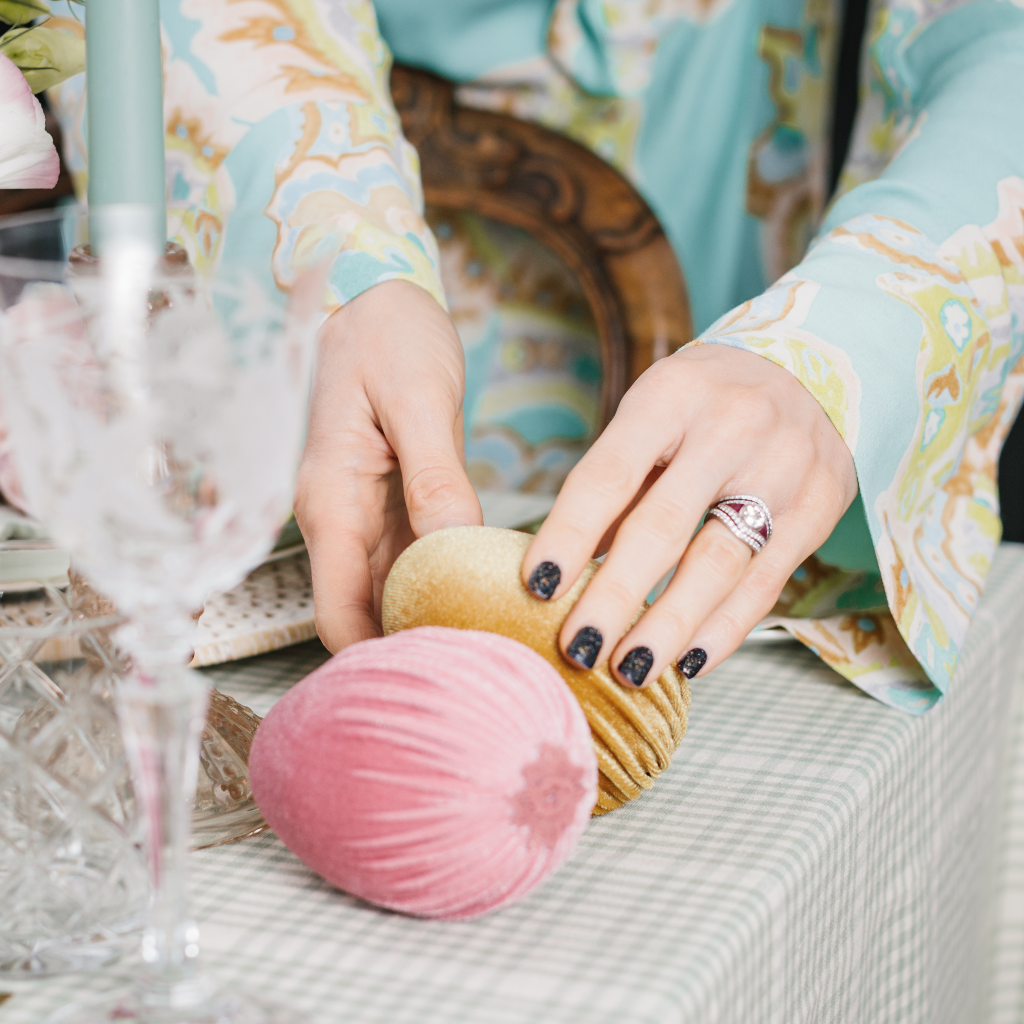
x,y
746,517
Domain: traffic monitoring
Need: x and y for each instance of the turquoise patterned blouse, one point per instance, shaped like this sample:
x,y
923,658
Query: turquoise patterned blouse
x,y
900,306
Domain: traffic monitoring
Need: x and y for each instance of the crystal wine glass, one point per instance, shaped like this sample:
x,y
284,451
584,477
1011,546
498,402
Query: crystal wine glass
x,y
156,421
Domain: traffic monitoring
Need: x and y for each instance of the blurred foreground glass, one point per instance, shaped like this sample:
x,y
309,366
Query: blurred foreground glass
x,y
72,876
156,421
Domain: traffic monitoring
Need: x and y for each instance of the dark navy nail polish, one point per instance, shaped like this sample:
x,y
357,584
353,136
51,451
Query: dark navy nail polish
x,y
635,665
585,647
692,662
544,580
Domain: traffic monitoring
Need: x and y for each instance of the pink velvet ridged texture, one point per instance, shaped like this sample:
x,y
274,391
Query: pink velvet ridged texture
x,y
440,772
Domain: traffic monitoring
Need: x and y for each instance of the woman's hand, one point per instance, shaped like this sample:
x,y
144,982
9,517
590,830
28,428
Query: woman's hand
x,y
708,422
382,463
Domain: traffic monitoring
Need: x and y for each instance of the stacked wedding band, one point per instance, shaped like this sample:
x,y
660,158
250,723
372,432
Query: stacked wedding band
x,y
746,517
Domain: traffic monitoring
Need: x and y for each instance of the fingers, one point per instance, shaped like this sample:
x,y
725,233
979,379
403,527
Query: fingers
x,y
340,506
652,538
711,568
437,491
602,485
343,596
418,401
359,507
738,407
728,625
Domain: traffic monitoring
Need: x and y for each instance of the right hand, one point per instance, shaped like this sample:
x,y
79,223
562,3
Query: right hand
x,y
383,458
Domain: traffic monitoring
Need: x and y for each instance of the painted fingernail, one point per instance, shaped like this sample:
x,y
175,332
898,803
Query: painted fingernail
x,y
585,647
544,580
635,665
692,662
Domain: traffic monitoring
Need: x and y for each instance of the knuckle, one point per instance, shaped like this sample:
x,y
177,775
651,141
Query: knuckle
x,y
734,625
618,594
764,587
725,554
649,380
308,502
610,475
795,444
325,632
751,411
761,412
659,375
575,533
327,615
819,500
680,622
431,490
663,521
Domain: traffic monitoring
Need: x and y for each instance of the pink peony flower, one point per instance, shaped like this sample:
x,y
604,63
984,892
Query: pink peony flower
x,y
28,158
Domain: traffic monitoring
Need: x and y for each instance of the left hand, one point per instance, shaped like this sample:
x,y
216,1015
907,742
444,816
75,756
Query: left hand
x,y
704,423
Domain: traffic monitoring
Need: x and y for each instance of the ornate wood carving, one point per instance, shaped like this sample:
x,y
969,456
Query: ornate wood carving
x,y
567,198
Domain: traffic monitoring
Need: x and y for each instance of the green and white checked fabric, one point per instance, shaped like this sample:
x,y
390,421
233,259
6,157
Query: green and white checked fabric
x,y
812,856
1007,1006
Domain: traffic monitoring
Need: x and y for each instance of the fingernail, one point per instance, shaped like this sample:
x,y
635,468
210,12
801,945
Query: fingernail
x,y
692,662
585,647
635,665
544,580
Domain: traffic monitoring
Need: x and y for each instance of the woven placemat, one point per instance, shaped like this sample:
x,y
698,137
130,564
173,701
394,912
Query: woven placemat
x,y
271,609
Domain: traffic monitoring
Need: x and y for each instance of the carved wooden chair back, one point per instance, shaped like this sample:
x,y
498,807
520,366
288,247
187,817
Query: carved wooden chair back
x,y
568,199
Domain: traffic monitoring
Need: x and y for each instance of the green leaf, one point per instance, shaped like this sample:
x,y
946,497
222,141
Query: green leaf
x,y
21,12
46,56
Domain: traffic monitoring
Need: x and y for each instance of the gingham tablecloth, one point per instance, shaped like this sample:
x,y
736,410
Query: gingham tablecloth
x,y
811,856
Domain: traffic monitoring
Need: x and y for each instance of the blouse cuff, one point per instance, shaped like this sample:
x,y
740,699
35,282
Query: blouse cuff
x,y
915,351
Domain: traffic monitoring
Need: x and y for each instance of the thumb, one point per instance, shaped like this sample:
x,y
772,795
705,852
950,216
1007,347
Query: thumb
x,y
437,490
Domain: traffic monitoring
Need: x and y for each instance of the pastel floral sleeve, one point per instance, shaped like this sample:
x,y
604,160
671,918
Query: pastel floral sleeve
x,y
906,322
283,107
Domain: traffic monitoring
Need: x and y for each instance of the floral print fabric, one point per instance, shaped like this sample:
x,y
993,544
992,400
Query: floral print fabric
x,y
283,106
950,293
905,318
936,524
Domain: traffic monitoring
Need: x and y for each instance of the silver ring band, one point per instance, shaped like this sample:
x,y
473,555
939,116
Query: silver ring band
x,y
746,516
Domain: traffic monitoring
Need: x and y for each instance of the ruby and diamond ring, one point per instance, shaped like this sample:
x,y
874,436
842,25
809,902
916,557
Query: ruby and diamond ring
x,y
746,517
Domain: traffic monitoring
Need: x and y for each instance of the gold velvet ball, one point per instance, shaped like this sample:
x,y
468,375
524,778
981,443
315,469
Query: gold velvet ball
x,y
469,577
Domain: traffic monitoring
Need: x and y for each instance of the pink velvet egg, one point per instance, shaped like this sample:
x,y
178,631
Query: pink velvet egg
x,y
440,772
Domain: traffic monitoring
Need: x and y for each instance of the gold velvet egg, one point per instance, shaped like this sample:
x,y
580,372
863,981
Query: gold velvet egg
x,y
468,577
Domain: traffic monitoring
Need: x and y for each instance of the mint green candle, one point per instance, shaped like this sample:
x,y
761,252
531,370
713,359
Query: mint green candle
x,y
124,79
